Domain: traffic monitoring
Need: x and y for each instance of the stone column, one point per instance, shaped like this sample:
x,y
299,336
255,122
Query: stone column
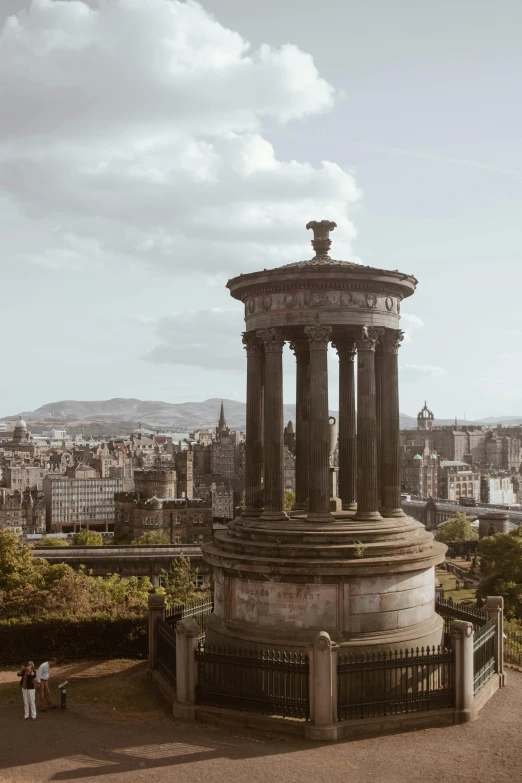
x,y
319,497
301,350
378,418
156,612
390,446
367,497
254,426
187,632
273,451
462,646
323,689
495,611
347,429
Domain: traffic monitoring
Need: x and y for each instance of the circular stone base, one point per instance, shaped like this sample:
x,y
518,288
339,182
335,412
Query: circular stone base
x,y
369,583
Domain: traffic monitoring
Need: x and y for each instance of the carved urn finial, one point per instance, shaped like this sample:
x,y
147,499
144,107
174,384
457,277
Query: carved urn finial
x,y
321,242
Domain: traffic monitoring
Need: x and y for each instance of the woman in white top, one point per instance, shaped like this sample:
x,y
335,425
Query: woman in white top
x,y
28,676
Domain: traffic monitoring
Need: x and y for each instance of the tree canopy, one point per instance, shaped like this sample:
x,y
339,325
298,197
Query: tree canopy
x,y
151,537
501,568
86,537
33,588
179,582
51,541
457,528
289,499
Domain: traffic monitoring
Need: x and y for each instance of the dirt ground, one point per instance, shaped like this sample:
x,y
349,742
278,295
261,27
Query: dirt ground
x,y
117,730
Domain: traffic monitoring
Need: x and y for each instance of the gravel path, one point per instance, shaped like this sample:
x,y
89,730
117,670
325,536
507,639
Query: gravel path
x,y
109,747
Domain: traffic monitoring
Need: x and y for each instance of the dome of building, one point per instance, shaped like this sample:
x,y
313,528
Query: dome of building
x,y
417,456
20,424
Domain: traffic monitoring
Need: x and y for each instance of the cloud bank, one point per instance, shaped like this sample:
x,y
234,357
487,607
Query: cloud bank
x,y
132,133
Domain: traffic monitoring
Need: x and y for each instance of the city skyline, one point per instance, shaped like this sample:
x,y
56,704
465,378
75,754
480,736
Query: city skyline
x,y
133,187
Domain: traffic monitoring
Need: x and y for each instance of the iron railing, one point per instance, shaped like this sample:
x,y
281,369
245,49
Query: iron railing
x,y
450,611
513,648
271,682
166,651
484,665
199,610
394,682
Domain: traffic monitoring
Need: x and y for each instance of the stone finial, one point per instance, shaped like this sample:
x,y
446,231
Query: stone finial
x,y
321,242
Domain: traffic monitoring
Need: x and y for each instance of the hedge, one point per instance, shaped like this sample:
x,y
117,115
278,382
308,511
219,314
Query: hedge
x,y
73,640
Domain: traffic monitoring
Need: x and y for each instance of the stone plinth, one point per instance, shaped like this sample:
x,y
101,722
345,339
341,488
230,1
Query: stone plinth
x,y
493,522
371,585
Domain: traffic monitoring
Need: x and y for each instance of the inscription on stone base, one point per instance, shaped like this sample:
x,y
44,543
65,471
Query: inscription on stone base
x,y
278,603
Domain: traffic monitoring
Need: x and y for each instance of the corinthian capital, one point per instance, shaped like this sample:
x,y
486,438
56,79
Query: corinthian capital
x,y
318,337
391,340
300,347
345,346
271,339
367,338
252,344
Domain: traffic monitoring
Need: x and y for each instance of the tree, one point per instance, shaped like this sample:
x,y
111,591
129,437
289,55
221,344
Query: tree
x,y
51,541
178,582
457,528
152,537
87,538
289,499
501,568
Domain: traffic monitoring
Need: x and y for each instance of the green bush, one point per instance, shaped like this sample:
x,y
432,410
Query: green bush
x,y
86,537
98,637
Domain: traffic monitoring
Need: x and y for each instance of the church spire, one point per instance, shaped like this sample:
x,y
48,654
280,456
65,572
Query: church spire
x,y
222,420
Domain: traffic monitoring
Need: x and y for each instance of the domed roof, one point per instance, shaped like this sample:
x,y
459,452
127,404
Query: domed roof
x,y
417,456
20,424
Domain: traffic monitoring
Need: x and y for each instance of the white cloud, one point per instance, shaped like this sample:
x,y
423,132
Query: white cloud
x,y
413,372
411,323
132,133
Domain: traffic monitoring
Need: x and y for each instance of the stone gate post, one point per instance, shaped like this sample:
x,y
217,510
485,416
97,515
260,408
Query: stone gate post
x,y
462,646
156,610
187,632
323,689
495,611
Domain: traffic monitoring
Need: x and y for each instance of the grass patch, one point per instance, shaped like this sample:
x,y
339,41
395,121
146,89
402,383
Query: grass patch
x,y
449,584
117,685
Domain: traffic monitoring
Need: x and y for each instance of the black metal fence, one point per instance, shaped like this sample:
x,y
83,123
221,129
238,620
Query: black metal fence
x,y
450,611
199,610
394,682
513,647
166,651
484,665
270,682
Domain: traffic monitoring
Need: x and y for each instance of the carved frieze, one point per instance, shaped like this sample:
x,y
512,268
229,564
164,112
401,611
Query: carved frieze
x,y
316,299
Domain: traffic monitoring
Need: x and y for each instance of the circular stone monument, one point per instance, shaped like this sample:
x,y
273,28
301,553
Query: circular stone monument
x,y
364,574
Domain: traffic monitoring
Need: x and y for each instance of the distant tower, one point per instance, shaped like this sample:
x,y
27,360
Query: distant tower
x,y
425,418
222,428
289,437
20,434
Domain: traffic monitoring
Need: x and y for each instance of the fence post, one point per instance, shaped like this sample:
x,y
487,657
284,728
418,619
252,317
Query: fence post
x,y
187,632
462,646
323,689
156,610
495,611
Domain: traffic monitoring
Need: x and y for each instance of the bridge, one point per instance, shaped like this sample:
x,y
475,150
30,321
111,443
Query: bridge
x,y
124,560
431,513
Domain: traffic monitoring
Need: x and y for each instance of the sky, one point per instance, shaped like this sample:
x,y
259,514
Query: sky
x,y
151,149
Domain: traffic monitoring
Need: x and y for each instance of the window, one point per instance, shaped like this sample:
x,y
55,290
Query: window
x,y
177,538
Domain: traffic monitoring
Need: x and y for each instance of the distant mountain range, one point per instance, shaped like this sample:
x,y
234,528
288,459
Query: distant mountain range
x,y
179,417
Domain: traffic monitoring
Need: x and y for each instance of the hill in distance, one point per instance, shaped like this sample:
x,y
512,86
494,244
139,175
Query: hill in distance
x,y
178,417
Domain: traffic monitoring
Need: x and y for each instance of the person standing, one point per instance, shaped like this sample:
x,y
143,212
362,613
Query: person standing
x,y
28,677
42,680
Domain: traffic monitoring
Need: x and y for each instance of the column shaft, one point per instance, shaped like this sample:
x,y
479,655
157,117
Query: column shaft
x,y
378,419
254,426
347,424
319,497
367,496
390,446
273,451
302,418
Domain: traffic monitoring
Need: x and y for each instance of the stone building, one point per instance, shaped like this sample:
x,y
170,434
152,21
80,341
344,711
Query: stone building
x,y
289,459
156,482
425,419
22,475
420,470
22,511
184,521
184,464
458,480
502,451
364,574
80,499
496,488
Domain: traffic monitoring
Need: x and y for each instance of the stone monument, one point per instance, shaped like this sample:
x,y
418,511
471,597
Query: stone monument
x,y
364,574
